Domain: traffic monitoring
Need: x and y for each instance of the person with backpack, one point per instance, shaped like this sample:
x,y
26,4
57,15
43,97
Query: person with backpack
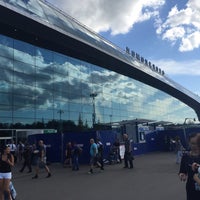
x,y
76,152
27,155
100,153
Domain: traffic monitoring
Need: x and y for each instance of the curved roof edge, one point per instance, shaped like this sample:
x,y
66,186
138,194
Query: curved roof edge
x,y
23,26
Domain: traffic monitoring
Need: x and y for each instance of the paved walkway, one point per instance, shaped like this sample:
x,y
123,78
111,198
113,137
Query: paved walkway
x,y
154,177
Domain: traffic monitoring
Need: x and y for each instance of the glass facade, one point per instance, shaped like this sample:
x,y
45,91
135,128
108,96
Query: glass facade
x,y
39,87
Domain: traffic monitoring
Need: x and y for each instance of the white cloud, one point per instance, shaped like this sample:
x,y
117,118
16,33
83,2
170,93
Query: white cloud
x,y
119,17
172,67
183,26
116,16
174,33
190,42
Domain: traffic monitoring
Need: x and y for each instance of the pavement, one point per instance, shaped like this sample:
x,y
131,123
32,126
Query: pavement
x,y
153,177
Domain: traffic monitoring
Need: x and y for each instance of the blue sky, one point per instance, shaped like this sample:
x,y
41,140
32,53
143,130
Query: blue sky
x,y
165,32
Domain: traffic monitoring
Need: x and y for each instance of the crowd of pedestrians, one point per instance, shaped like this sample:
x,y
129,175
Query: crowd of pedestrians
x,y
29,155
33,157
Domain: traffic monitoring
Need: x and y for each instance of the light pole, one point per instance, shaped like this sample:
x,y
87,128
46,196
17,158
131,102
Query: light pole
x,y
110,119
60,113
93,95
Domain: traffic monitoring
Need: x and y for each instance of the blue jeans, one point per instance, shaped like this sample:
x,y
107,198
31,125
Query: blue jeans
x,y
75,163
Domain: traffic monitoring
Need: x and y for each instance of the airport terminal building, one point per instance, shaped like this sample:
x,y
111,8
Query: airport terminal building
x,y
54,69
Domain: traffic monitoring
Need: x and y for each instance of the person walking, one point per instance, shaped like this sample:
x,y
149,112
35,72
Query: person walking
x,y
41,160
6,163
93,156
13,150
20,150
76,152
100,153
116,146
27,155
68,155
186,172
178,149
128,157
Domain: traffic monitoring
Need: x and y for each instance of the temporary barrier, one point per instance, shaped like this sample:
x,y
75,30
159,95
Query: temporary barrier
x,y
151,144
158,140
183,133
82,140
56,143
52,143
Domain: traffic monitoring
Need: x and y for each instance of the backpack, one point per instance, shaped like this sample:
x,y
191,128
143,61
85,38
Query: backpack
x,y
100,147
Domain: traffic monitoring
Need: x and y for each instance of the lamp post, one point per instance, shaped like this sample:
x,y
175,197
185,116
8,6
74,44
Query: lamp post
x,y
110,119
60,113
93,95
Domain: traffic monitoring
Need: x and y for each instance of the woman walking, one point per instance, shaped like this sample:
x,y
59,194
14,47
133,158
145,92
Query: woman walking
x,y
6,162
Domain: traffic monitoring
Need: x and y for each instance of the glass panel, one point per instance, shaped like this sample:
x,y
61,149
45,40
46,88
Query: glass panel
x,y
6,46
67,24
28,112
74,116
6,63
22,102
75,107
23,121
44,78
31,7
59,82
44,99
23,90
6,99
43,57
24,52
35,9
44,113
51,16
5,111
61,65
24,73
6,76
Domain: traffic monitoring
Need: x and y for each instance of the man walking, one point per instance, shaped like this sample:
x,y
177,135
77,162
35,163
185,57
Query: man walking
x,y
41,160
128,157
93,155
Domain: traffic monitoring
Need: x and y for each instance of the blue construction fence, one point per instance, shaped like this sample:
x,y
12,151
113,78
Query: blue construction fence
x,y
158,140
56,143
183,133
